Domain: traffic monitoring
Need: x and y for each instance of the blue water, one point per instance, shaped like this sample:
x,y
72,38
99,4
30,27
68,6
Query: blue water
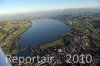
x,y
42,31
3,59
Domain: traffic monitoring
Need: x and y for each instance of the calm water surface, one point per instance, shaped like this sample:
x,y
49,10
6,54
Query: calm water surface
x,y
43,31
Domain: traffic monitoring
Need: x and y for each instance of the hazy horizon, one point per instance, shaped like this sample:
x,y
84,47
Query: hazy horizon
x,y
26,6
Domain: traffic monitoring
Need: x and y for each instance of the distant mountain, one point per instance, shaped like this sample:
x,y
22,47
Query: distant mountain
x,y
51,13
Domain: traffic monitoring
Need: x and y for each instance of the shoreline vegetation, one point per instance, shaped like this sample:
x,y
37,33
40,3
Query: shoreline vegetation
x,y
11,32
83,37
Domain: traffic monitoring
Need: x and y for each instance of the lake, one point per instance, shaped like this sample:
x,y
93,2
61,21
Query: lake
x,y
43,31
3,59
96,23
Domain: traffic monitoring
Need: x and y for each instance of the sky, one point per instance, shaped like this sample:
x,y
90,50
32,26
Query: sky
x,y
23,6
